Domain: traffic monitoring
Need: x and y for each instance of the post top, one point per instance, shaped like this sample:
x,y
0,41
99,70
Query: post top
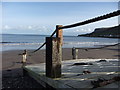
x,y
58,26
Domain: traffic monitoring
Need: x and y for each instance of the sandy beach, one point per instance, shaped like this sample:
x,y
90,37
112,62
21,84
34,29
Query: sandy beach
x,y
11,63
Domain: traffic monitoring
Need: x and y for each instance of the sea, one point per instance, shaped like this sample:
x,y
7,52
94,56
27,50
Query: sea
x,y
32,42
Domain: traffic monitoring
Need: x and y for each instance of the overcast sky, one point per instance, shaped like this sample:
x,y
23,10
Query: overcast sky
x,y
42,17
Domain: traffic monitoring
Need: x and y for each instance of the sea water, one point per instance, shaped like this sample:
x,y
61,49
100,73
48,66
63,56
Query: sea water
x,y
22,41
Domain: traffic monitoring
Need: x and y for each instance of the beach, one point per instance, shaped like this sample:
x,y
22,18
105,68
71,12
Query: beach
x,y
28,25
12,71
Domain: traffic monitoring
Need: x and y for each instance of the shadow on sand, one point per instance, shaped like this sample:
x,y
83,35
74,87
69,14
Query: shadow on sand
x,y
13,78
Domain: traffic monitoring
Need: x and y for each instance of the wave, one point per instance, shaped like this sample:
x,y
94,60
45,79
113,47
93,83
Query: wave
x,y
64,43
13,42
81,43
19,43
87,43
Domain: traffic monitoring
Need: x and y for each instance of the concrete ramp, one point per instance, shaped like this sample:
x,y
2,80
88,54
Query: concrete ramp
x,y
77,74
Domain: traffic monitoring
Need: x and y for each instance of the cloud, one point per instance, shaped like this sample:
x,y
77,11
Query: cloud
x,y
6,27
85,30
43,30
77,31
27,29
24,27
81,30
30,27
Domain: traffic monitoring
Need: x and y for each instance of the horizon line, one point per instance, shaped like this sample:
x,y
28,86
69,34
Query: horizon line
x,y
59,1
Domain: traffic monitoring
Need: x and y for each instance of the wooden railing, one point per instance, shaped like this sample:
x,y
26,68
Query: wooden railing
x,y
54,45
113,14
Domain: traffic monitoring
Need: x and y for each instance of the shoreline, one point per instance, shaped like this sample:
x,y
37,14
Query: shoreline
x,y
99,37
108,52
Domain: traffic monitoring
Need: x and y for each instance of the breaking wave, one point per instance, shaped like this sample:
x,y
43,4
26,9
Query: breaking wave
x,y
64,43
87,43
19,43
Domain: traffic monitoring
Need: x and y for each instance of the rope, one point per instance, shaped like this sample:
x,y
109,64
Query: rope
x,y
104,46
39,47
115,13
44,43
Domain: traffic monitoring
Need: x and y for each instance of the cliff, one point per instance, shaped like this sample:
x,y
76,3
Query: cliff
x,y
111,32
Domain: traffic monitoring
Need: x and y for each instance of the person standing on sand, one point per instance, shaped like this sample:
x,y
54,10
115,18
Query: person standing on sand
x,y
24,55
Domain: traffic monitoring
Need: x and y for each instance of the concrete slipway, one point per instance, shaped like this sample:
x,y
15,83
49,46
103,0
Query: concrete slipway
x,y
73,76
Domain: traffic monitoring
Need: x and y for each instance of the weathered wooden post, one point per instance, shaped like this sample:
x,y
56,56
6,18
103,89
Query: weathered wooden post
x,y
54,55
75,53
59,34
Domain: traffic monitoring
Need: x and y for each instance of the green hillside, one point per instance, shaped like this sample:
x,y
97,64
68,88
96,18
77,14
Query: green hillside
x,y
112,32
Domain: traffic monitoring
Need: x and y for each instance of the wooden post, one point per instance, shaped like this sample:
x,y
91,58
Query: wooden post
x,y
54,54
59,33
75,53
53,57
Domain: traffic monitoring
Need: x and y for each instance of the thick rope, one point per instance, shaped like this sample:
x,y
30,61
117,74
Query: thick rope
x,y
115,13
44,43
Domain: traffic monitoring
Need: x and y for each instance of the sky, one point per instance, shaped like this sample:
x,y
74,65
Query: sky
x,y
42,17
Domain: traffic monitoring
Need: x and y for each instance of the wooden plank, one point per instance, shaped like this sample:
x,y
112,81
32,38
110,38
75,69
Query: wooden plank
x,y
44,81
74,78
